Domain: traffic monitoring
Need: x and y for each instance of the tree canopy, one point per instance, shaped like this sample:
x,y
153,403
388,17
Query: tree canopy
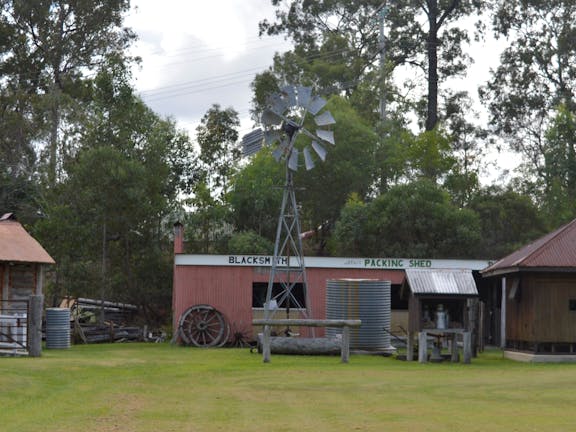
x,y
100,178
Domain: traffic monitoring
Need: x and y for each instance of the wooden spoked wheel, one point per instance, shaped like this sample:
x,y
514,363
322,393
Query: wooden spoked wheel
x,y
203,326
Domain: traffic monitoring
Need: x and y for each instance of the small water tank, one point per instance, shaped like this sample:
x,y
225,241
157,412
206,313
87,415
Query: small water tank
x,y
57,328
364,299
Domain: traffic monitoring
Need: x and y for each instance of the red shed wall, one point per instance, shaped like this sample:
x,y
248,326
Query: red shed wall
x,y
229,288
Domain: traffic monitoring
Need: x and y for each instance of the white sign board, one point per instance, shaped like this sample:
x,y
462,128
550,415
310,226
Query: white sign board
x,y
325,262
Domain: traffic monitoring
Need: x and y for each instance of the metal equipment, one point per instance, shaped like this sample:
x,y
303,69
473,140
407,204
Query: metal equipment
x,y
284,120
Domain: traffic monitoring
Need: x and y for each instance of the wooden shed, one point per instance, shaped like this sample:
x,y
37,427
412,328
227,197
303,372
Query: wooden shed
x,y
22,264
538,298
438,306
236,286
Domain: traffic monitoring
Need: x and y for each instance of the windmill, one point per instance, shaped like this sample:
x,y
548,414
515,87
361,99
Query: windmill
x,y
283,121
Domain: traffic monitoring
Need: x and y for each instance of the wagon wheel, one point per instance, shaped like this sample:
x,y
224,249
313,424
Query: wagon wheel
x,y
203,326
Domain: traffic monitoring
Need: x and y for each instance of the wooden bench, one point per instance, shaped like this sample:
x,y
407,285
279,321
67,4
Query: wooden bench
x,y
345,324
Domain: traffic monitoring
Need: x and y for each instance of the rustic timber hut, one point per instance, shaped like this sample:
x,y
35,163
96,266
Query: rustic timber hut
x,y
438,308
538,291
22,263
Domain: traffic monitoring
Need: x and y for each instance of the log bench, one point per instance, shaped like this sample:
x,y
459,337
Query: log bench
x,y
344,324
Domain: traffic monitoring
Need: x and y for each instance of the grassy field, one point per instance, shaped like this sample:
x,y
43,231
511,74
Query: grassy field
x,y
158,387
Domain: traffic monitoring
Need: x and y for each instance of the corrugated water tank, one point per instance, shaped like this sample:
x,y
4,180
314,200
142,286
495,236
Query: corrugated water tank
x,y
57,328
367,300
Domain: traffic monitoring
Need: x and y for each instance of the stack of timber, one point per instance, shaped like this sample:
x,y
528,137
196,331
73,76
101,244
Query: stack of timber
x,y
97,321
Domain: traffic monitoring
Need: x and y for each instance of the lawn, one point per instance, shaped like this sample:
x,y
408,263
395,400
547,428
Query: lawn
x,y
159,387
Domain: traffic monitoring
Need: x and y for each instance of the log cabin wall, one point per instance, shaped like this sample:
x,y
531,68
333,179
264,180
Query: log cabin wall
x,y
22,281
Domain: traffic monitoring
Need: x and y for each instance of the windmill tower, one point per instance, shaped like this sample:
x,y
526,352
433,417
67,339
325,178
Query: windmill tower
x,y
283,121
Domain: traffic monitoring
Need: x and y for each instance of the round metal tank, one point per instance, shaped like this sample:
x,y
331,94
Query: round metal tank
x,y
58,328
364,299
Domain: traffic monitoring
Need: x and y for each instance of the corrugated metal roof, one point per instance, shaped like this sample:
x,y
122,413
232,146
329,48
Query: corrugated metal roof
x,y
556,250
441,281
16,245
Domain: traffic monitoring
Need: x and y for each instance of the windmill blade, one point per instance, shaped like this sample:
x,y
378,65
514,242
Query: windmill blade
x,y
304,94
270,118
316,104
325,135
252,142
277,103
271,136
280,151
308,161
289,94
320,151
324,119
293,160
277,154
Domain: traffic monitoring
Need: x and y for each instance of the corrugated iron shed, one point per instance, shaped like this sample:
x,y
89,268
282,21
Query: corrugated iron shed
x,y
555,251
441,282
16,245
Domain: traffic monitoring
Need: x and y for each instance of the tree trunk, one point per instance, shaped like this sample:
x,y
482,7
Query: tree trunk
x,y
55,124
432,48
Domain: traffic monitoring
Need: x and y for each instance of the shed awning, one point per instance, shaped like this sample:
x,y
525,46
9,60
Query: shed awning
x,y
441,282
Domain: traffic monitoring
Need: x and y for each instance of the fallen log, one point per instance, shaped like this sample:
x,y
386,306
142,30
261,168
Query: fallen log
x,y
302,346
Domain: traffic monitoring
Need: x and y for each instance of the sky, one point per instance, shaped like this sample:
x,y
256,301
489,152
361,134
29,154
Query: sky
x,y
196,53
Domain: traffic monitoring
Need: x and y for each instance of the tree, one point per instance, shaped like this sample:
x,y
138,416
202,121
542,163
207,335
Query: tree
x,y
20,195
509,220
415,220
558,189
537,73
106,221
348,168
337,46
249,243
256,195
217,136
349,237
55,43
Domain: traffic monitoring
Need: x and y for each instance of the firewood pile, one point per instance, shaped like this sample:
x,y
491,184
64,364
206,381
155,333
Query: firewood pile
x,y
96,321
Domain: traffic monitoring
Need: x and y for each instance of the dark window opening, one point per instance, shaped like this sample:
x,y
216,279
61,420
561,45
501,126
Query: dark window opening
x,y
259,295
396,300
572,304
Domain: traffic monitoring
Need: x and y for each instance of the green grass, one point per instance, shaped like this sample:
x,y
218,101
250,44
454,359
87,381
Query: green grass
x,y
159,387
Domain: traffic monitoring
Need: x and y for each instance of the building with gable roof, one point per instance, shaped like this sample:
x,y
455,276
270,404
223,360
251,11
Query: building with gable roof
x,y
538,297
22,263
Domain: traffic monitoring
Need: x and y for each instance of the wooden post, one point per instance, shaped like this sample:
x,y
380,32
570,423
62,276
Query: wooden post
x,y
467,347
345,349
410,347
39,279
422,348
266,345
36,306
503,315
454,343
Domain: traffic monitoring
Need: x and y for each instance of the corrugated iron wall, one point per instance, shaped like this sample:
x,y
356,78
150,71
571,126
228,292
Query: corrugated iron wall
x,y
229,288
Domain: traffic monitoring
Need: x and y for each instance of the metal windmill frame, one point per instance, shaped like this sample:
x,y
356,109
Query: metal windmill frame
x,y
288,267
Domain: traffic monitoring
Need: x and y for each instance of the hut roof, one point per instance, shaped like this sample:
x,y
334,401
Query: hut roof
x,y
16,245
441,282
555,251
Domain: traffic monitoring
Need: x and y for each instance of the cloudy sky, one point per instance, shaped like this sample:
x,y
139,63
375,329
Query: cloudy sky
x,y
197,53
